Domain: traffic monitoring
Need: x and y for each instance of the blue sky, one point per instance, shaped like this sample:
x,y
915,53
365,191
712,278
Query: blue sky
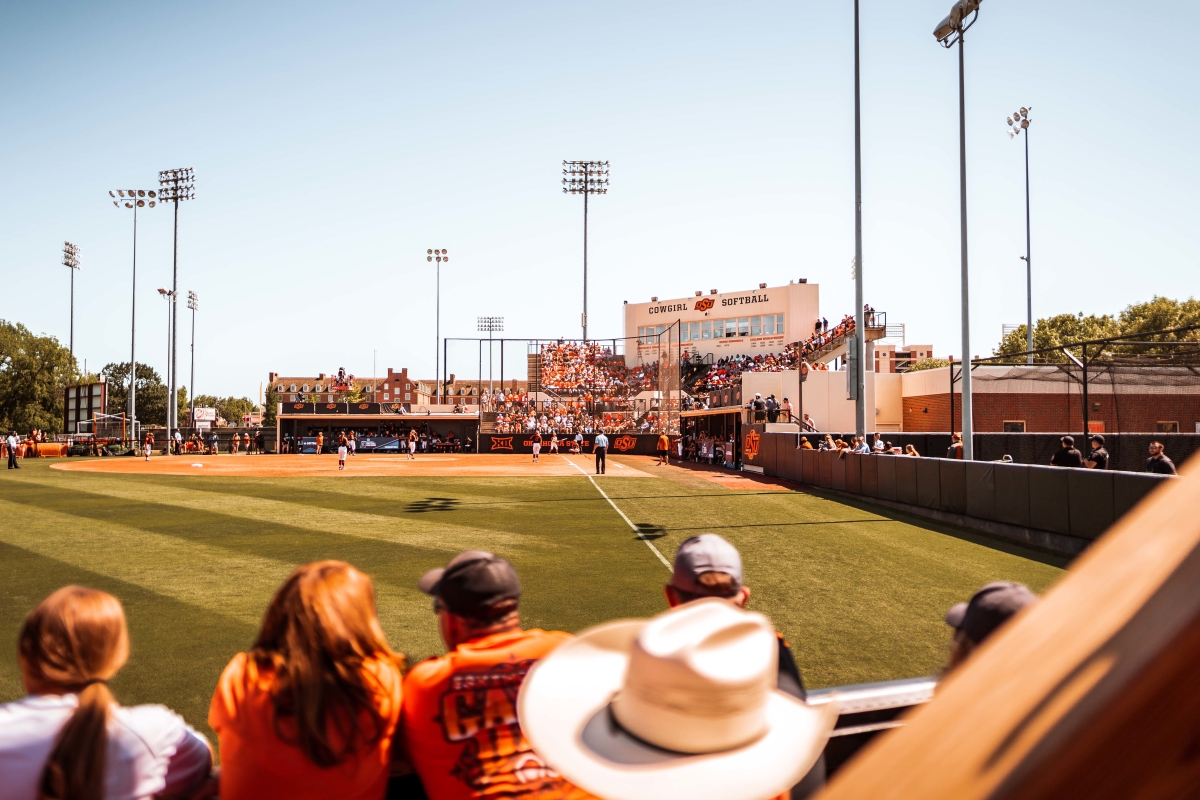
x,y
334,143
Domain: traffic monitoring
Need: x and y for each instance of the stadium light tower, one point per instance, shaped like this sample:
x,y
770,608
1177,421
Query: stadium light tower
x,y
439,256
193,304
490,325
1016,123
860,340
175,185
135,199
585,178
949,32
71,260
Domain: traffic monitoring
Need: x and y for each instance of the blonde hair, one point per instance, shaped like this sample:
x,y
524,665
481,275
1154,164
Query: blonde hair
x,y
76,639
318,632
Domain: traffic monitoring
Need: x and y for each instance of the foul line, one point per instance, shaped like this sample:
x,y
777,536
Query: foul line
x,y
649,544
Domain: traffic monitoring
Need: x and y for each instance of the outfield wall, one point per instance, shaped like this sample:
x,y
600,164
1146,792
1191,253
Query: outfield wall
x,y
1062,510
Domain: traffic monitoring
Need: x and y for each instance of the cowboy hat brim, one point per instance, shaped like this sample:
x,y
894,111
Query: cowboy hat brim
x,y
564,711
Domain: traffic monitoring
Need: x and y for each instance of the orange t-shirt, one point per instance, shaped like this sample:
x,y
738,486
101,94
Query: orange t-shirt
x,y
460,727
256,763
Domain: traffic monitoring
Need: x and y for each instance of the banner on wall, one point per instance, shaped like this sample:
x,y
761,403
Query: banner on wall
x,y
378,444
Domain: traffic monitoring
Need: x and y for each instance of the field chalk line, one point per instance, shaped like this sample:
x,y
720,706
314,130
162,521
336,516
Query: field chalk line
x,y
649,543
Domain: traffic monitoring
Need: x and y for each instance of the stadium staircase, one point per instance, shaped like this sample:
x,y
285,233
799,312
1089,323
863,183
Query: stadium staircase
x,y
875,328
487,422
693,371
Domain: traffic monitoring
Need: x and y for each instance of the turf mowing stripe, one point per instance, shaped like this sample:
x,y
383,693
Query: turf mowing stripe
x,y
635,528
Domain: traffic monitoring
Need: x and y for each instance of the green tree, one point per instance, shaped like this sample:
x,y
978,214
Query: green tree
x,y
151,393
928,363
1055,332
1161,313
33,372
269,411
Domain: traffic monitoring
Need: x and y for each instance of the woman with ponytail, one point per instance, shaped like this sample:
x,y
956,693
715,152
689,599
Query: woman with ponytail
x,y
311,710
68,739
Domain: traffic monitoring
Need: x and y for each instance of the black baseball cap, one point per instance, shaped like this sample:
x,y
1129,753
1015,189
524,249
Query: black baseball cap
x,y
1068,440
472,585
990,608
1095,437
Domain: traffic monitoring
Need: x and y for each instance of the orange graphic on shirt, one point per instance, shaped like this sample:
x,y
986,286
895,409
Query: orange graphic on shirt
x,y
479,711
625,443
751,448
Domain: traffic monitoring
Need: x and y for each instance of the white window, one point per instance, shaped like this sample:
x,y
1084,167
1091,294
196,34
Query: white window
x,y
292,388
743,326
407,396
779,323
706,330
659,329
305,389
385,395
768,324
407,386
695,326
718,329
756,326
385,386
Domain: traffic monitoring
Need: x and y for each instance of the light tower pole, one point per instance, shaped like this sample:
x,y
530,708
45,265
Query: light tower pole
x,y
169,296
948,33
193,304
71,260
490,325
1020,122
439,256
135,199
175,185
585,178
860,340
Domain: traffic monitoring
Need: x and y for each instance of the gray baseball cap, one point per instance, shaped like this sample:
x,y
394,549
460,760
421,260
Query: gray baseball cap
x,y
990,608
707,552
472,584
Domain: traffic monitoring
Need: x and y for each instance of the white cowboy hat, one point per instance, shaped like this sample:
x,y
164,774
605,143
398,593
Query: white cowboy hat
x,y
682,705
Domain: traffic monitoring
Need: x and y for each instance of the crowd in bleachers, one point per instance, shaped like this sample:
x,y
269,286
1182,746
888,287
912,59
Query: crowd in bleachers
x,y
728,371
321,706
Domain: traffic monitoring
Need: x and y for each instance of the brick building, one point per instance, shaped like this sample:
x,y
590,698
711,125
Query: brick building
x,y
1042,399
889,358
394,387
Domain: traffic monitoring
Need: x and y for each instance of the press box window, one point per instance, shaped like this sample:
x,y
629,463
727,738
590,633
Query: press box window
x,y
695,326
743,326
779,323
756,326
683,332
718,329
706,329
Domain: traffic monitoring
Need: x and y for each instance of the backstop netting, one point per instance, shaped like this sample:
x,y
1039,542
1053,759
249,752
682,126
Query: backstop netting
x,y
108,428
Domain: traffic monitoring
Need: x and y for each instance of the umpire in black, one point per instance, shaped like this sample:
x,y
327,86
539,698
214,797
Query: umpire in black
x,y
601,448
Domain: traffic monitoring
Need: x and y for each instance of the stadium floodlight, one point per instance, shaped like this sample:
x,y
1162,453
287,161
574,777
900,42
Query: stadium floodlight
x,y
175,185
134,199
439,256
585,178
1016,123
193,304
490,325
949,32
71,261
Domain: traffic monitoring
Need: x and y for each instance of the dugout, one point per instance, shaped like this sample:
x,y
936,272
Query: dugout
x,y
719,422
370,419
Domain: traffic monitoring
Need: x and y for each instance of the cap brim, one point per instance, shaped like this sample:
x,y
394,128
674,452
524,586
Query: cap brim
x,y
429,581
956,615
563,708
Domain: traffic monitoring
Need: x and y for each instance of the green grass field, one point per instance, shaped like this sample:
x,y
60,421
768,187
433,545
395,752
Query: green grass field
x,y
858,590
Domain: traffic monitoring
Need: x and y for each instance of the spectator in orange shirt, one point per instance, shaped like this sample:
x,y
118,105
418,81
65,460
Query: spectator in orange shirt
x,y
460,728
311,710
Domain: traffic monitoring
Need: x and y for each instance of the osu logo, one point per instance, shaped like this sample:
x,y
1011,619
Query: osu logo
x,y
751,448
364,406
502,443
331,405
298,405
704,305
625,443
